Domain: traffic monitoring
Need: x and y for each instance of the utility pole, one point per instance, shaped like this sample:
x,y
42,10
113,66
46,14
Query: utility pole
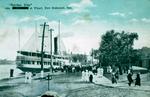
x,y
42,46
42,50
51,49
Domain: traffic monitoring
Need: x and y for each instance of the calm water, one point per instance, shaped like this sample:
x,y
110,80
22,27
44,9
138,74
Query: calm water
x,y
5,71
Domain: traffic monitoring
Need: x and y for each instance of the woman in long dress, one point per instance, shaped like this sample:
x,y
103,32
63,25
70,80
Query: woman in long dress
x,y
83,75
87,76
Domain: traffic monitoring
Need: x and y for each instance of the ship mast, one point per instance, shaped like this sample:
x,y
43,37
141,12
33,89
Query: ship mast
x,y
19,38
59,51
36,36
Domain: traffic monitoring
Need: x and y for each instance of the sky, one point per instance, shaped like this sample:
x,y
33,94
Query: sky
x,y
82,22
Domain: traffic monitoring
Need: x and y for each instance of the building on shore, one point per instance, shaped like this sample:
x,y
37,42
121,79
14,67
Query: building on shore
x,y
145,57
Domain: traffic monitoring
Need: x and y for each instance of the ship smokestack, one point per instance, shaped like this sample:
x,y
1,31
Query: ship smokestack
x,y
55,45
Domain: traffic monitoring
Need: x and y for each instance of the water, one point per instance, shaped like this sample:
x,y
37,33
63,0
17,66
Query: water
x,y
5,71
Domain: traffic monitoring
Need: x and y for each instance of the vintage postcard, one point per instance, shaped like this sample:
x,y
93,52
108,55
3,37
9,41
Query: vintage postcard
x,y
74,48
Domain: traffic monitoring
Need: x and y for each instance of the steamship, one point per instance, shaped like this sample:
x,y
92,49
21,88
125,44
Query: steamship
x,y
31,59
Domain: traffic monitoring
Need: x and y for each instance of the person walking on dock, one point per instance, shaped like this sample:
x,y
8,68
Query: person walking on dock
x,y
113,78
90,76
86,75
138,80
129,77
26,77
83,75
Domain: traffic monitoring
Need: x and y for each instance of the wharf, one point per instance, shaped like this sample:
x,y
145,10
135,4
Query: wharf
x,y
71,85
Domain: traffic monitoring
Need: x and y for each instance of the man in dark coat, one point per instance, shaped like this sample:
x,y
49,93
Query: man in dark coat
x,y
129,77
138,80
91,78
113,78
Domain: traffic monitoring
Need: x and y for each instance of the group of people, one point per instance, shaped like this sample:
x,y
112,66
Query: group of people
x,y
87,76
115,77
91,76
28,77
137,79
69,69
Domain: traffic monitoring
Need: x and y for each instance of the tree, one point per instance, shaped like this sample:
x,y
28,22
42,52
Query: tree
x,y
95,53
79,58
116,49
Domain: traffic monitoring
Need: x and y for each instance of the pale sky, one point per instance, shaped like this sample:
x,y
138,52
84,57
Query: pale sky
x,y
81,26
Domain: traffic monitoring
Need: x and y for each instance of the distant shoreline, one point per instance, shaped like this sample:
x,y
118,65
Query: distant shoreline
x,y
6,62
